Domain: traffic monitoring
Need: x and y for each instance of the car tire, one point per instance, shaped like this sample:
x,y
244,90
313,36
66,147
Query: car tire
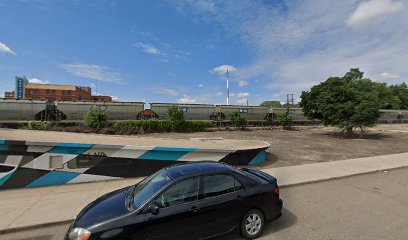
x,y
252,224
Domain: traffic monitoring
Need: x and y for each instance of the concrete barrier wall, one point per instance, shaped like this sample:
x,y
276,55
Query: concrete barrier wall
x,y
35,164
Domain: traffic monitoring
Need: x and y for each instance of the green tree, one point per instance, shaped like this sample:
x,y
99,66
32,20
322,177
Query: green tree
x,y
273,103
399,93
176,116
347,102
96,118
285,119
238,120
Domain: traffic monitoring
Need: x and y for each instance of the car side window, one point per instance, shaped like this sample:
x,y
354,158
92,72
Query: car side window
x,y
216,185
182,192
238,186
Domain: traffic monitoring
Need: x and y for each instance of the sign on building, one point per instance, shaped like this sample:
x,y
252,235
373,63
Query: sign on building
x,y
20,87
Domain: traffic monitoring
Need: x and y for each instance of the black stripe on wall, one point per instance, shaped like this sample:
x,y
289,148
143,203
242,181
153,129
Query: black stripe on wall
x,y
4,168
22,177
241,157
128,167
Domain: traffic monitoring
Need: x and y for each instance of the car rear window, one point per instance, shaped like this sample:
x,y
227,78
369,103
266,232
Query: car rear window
x,y
253,176
216,185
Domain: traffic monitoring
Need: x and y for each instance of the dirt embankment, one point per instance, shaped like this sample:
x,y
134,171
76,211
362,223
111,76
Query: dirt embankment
x,y
315,144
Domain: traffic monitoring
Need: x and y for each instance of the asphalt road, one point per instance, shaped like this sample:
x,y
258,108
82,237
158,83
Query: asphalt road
x,y
372,206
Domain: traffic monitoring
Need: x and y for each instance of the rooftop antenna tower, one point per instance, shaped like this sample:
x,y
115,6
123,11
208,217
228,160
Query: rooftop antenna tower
x,y
227,88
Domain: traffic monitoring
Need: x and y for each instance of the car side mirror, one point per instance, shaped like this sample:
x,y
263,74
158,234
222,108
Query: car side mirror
x,y
154,208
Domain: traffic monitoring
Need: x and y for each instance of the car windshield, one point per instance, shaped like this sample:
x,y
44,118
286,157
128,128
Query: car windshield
x,y
149,186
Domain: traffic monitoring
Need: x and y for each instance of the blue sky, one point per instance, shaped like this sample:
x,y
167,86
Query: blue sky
x,y
179,50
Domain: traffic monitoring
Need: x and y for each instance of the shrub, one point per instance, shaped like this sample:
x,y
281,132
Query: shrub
x,y
143,126
158,126
38,125
195,126
175,115
96,118
285,119
238,120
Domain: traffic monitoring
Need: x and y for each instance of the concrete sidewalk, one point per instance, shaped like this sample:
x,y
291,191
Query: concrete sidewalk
x,y
27,208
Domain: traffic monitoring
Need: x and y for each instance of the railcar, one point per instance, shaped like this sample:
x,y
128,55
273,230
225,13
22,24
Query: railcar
x,y
191,111
393,116
115,110
253,114
12,110
20,110
296,113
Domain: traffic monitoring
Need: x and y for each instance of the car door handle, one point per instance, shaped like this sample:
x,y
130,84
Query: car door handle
x,y
194,209
239,197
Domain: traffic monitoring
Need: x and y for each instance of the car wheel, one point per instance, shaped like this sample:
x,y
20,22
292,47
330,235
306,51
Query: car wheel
x,y
252,224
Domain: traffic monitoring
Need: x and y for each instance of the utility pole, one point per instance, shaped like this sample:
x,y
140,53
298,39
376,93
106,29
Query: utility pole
x,y
227,88
247,102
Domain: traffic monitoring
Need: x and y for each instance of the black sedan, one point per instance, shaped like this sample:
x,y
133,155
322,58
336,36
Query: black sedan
x,y
185,201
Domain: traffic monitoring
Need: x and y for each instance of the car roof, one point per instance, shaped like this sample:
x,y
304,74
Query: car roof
x,y
196,168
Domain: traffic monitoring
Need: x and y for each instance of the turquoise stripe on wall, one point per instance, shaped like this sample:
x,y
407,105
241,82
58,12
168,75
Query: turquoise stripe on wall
x,y
3,146
53,178
71,148
5,178
166,153
259,158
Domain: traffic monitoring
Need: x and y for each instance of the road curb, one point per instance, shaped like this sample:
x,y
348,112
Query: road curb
x,y
340,177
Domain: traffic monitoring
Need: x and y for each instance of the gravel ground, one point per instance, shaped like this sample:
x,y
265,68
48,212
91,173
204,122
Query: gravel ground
x,y
305,145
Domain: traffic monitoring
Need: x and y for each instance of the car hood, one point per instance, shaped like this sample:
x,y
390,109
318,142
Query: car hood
x,y
109,206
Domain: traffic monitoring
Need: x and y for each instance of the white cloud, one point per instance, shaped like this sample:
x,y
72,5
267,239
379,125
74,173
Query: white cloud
x,y
239,95
223,69
387,76
242,101
115,98
164,53
186,99
370,11
244,94
92,71
5,49
242,83
36,80
167,91
219,94
200,85
147,48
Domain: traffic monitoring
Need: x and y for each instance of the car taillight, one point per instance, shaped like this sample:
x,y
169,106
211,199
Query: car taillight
x,y
276,190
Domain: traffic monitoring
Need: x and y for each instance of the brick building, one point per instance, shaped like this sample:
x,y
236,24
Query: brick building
x,y
10,95
61,93
102,98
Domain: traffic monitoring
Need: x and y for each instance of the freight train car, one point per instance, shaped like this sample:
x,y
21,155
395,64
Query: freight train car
x,y
64,111
253,114
116,110
191,111
393,116
20,110
296,113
